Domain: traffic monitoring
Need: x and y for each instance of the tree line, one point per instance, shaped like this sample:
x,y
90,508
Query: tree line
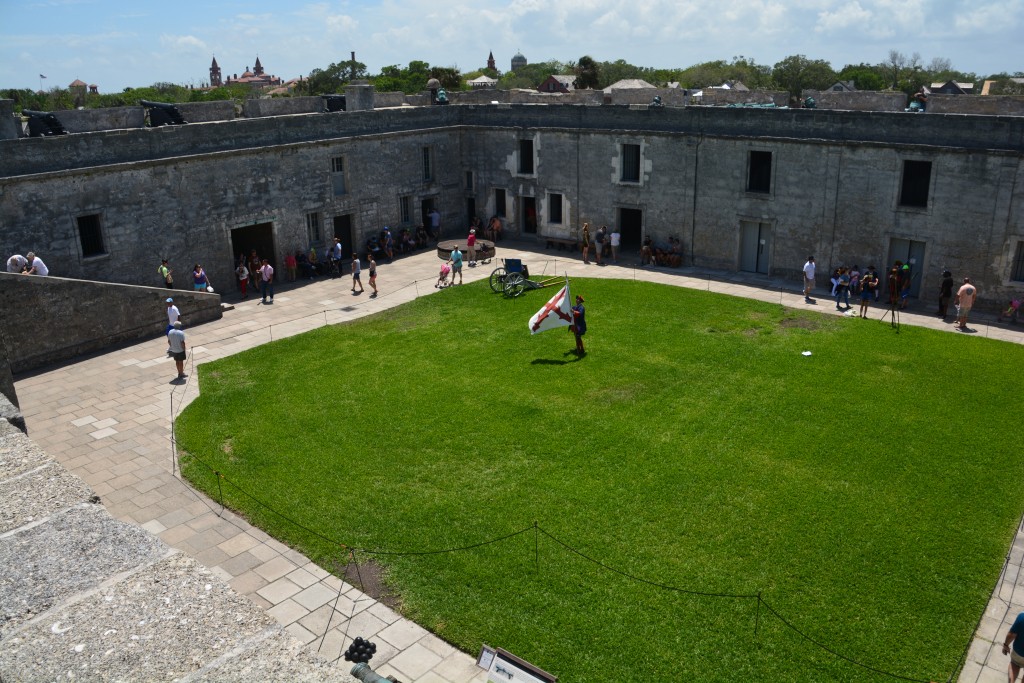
x,y
793,74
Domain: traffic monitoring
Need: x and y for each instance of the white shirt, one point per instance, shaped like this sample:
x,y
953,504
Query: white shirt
x,y
172,314
177,340
809,270
616,239
40,267
16,263
267,272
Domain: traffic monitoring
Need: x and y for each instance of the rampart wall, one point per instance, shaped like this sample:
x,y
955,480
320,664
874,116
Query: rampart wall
x,y
49,319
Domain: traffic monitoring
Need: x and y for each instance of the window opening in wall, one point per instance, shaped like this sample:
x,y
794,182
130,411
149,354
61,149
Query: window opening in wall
x,y
759,178
499,203
526,157
554,208
1018,264
338,175
313,227
405,209
917,177
90,235
428,173
630,164
469,180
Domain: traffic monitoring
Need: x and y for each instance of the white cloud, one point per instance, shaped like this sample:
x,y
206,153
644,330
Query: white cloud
x,y
849,15
188,43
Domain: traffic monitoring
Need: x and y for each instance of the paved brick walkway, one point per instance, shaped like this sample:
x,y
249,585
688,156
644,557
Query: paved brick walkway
x,y
108,419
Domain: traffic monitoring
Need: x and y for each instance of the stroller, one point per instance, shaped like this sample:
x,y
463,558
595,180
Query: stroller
x,y
1011,312
442,278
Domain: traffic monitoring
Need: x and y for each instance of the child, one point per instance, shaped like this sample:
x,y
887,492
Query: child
x,y
1011,311
243,277
442,279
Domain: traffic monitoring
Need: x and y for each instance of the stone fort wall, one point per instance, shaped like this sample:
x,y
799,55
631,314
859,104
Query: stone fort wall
x,y
835,185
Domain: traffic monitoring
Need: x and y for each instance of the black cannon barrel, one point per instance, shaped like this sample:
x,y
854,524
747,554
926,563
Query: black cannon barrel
x,y
163,114
43,124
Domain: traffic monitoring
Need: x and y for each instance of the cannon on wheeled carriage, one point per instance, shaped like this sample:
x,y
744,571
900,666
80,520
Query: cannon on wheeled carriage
x,y
513,278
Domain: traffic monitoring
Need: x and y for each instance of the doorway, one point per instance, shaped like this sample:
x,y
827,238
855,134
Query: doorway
x,y
631,227
470,210
529,214
343,231
908,251
426,206
259,237
755,247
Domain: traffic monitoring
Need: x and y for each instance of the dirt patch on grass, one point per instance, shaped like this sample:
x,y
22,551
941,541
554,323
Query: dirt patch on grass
x,y
800,322
368,576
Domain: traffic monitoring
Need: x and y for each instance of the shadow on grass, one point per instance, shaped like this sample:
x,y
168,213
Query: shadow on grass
x,y
555,361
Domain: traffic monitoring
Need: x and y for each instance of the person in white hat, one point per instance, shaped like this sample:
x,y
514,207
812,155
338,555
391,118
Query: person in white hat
x,y
471,247
172,317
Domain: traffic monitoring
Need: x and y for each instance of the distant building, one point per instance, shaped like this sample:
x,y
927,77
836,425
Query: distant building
x,y
490,61
256,78
482,81
952,88
518,61
558,83
215,81
843,86
626,84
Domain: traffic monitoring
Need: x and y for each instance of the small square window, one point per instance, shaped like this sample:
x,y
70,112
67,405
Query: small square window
x,y
630,164
313,227
555,208
91,236
526,157
759,176
917,178
499,203
338,165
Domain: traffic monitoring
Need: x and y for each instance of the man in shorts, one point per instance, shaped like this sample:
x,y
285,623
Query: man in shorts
x,y
456,261
176,337
1016,652
808,279
357,268
965,298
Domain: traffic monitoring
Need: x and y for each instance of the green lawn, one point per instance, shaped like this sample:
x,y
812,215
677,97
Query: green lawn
x,y
869,491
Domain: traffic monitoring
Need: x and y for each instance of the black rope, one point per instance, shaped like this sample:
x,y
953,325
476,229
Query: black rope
x,y
840,655
633,577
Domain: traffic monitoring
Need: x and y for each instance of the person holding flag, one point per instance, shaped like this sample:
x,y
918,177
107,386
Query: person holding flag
x,y
579,324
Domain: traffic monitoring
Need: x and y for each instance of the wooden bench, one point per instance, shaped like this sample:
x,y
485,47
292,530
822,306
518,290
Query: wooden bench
x,y
562,244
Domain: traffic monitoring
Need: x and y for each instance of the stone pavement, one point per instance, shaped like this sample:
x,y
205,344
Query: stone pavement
x,y
108,419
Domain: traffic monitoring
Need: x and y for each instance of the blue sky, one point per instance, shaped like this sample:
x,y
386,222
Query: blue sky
x,y
120,44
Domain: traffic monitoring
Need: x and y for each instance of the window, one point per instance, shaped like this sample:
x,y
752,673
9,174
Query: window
x,y
313,227
526,157
428,172
630,164
469,180
554,208
338,175
405,209
499,203
759,176
1018,264
917,177
91,236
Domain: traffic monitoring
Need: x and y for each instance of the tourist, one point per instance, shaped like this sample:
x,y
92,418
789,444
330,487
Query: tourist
x,y
242,273
176,344
357,267
868,290
616,240
965,298
267,281
842,289
173,314
905,279
1014,639
646,252
586,242
314,261
389,244
16,264
599,240
471,247
199,279
165,274
874,274
456,260
945,293
373,275
579,324
254,270
435,223
808,279
291,265
35,265
335,256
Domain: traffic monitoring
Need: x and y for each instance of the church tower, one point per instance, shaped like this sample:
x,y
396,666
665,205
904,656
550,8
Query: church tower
x,y
215,81
257,70
490,60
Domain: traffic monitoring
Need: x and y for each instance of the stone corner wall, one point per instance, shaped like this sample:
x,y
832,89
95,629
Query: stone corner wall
x,y
718,97
51,319
10,125
860,100
984,105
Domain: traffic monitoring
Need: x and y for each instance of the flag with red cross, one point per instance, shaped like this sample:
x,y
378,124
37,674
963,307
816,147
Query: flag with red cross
x,y
556,313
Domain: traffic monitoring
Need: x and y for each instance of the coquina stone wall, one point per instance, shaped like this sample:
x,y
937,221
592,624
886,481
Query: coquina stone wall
x,y
835,187
49,319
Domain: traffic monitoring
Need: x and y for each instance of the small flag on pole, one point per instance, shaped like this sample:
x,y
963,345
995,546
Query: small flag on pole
x,y
42,76
556,313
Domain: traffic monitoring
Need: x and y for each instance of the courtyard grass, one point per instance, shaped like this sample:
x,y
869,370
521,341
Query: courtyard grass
x,y
868,491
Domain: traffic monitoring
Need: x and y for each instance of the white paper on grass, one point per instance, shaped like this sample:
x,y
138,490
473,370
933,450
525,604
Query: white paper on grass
x,y
806,353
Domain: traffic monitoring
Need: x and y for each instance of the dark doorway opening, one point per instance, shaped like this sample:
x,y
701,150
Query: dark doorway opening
x,y
529,214
631,227
908,252
343,231
259,237
426,206
470,210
